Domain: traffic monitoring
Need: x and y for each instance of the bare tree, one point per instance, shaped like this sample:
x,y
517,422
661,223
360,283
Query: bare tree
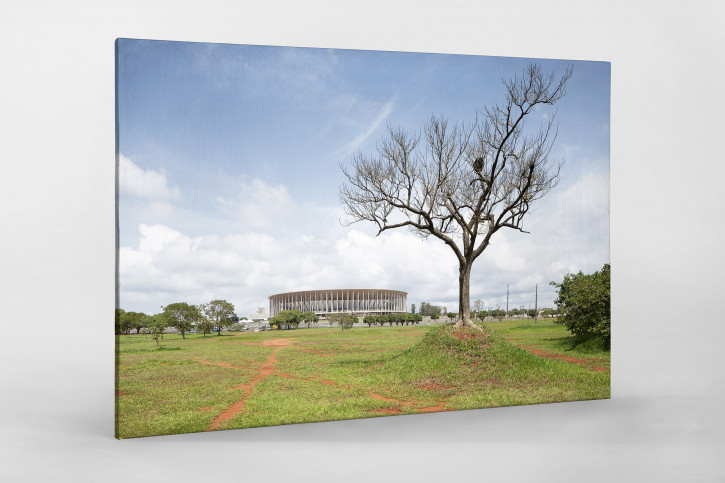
x,y
461,183
478,306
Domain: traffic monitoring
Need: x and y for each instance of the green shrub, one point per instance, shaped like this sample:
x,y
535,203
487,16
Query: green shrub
x,y
584,303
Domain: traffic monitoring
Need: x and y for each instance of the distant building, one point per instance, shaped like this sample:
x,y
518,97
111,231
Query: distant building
x,y
258,316
357,301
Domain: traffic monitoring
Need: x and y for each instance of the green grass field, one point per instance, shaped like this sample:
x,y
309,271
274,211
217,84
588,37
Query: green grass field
x,y
283,377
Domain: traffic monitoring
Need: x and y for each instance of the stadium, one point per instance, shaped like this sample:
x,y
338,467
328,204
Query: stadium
x,y
357,301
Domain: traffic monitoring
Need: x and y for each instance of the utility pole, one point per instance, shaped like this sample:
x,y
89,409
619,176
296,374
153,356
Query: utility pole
x,y
507,301
536,304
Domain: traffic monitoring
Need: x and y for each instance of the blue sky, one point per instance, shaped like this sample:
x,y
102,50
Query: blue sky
x,y
229,173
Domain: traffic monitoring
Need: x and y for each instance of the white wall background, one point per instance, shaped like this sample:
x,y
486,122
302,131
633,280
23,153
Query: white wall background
x,y
664,422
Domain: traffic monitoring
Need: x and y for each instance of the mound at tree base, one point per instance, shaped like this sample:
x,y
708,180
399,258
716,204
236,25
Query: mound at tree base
x,y
462,324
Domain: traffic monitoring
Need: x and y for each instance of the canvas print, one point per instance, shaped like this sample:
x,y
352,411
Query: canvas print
x,y
310,235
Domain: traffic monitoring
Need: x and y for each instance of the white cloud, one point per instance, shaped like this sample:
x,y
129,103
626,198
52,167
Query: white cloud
x,y
168,266
147,184
283,245
258,206
267,208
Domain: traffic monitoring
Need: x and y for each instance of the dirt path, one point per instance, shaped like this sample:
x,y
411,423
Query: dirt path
x,y
575,360
266,370
428,409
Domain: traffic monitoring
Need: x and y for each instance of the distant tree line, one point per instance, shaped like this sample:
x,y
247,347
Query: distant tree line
x,y
479,313
204,318
292,319
390,319
219,314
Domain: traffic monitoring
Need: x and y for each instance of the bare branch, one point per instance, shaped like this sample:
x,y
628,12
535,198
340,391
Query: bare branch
x,y
461,183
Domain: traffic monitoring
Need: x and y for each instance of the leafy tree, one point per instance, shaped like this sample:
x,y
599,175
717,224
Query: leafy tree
x,y
288,318
146,321
204,326
138,321
348,321
308,318
584,303
531,313
131,321
182,316
462,183
369,319
412,308
382,320
424,309
428,310
158,326
452,315
236,327
220,313
127,322
118,314
345,321
276,321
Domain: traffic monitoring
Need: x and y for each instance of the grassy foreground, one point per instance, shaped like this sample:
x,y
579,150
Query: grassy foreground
x,y
284,377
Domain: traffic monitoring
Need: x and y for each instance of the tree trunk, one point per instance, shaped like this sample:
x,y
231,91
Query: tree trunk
x,y
464,298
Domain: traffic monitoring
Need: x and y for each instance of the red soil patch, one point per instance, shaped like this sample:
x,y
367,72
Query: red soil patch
x,y
278,342
389,411
549,355
466,335
266,371
429,409
433,409
387,399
